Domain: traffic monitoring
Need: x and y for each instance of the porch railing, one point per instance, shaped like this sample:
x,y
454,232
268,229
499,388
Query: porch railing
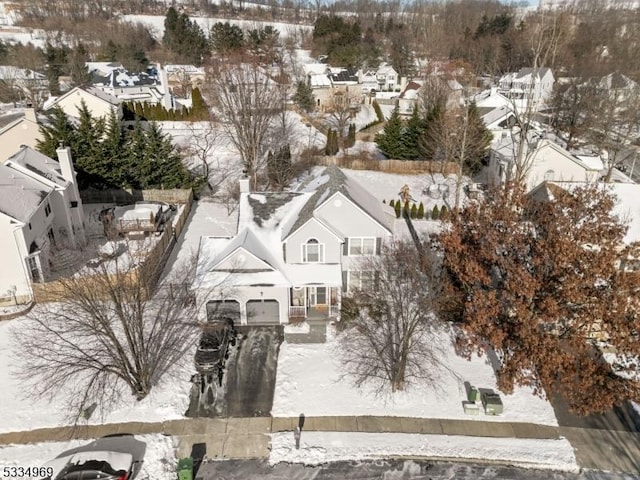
x,y
298,311
334,310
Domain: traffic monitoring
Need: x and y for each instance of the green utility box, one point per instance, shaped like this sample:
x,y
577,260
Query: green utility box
x,y
472,392
185,469
492,403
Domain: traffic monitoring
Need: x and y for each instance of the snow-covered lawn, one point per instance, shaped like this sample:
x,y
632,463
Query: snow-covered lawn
x,y
321,447
310,381
159,460
168,400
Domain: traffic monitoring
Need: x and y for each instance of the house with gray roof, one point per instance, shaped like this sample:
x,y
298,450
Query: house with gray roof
x,y
40,212
295,253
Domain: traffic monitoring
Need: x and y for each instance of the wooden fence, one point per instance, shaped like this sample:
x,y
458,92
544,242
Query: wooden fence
x,y
151,267
390,166
119,196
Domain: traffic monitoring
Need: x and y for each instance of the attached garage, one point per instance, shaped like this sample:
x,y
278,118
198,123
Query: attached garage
x,y
260,312
223,309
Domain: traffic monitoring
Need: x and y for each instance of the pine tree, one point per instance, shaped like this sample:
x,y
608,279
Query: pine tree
x,y
304,97
58,130
351,136
398,209
199,108
444,213
420,211
327,148
414,211
378,110
435,213
390,141
411,137
406,210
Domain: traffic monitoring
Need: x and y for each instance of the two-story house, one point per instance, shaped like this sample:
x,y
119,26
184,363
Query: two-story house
x,y
99,103
539,160
295,252
528,88
40,211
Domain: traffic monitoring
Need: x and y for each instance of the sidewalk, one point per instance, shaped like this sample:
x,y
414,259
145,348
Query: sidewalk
x,y
249,437
244,438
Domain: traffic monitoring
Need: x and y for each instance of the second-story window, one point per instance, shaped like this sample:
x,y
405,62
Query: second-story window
x,y
313,251
362,246
47,210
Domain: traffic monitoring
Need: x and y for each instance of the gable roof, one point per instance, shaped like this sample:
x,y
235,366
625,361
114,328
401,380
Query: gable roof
x,y
38,164
247,241
21,194
331,181
93,91
539,72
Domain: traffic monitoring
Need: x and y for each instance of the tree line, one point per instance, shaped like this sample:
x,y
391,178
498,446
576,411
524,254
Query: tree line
x,y
107,154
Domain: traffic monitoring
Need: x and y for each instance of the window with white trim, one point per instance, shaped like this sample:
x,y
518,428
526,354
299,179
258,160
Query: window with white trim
x,y
360,279
313,251
362,246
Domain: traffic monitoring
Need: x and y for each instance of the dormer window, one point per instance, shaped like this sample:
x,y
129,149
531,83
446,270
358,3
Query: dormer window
x,y
313,251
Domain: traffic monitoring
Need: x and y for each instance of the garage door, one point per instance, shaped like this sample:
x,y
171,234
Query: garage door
x,y
263,312
223,309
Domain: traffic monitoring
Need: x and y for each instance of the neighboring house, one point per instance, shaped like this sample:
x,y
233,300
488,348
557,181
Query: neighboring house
x,y
388,79
22,131
497,119
492,98
620,87
528,85
40,212
295,252
412,92
181,79
150,86
100,104
26,85
545,160
368,80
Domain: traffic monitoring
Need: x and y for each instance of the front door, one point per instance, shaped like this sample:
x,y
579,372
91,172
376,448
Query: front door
x,y
311,292
321,295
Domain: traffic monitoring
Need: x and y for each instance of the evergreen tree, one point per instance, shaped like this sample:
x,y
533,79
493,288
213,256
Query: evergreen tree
x,y
420,211
351,137
58,130
304,97
406,211
390,141
444,213
411,136
398,209
225,38
199,108
378,110
392,203
414,211
435,213
112,152
427,146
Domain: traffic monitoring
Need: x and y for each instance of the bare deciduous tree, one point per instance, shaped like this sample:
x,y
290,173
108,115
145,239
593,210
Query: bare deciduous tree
x,y
388,342
206,137
248,100
107,335
341,109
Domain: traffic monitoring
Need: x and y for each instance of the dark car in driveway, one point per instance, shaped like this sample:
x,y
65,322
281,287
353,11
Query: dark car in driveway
x,y
116,457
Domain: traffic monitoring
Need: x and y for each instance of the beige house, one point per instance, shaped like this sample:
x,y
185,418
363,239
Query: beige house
x,y
23,131
99,103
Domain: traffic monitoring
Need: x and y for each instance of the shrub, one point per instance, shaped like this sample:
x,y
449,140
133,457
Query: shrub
x,y
349,310
414,211
444,213
378,111
406,210
421,211
384,201
392,203
397,209
435,213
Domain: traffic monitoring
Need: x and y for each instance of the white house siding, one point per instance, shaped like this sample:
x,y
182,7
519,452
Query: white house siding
x,y
13,272
313,229
24,132
564,169
243,260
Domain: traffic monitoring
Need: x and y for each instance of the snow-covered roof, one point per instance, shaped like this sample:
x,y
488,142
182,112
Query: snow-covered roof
x,y
39,164
94,91
21,194
593,162
183,68
140,211
617,81
491,115
319,80
8,72
333,180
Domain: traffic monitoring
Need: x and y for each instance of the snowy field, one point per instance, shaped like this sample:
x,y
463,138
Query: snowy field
x,y
155,23
320,447
310,381
159,460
